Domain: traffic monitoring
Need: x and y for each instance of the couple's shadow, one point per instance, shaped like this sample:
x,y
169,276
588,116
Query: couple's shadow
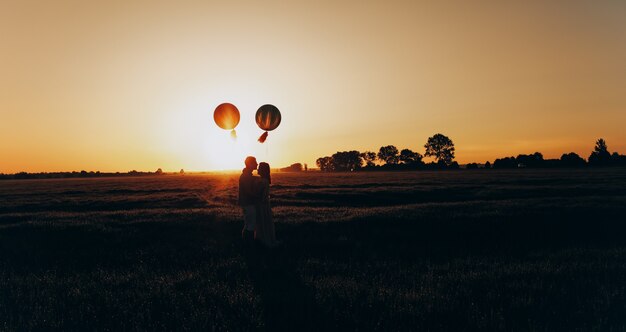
x,y
288,303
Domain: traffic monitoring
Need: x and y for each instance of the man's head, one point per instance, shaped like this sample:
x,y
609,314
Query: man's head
x,y
251,163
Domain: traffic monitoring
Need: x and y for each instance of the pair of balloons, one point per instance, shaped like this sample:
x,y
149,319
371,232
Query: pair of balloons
x,y
227,117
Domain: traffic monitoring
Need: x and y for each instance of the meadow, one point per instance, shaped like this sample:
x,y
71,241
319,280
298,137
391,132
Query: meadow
x,y
515,250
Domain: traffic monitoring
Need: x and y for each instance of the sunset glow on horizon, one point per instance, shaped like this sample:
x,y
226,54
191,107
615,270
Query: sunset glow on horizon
x,y
123,85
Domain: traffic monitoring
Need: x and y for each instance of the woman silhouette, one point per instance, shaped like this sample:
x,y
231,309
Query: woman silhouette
x,y
264,231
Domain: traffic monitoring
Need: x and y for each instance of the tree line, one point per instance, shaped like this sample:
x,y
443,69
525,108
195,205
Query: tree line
x,y
441,148
75,174
599,157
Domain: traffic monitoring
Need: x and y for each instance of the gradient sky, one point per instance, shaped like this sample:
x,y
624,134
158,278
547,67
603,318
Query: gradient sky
x,y
122,85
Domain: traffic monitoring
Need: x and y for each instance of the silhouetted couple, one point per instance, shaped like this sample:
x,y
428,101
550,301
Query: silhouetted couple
x,y
254,198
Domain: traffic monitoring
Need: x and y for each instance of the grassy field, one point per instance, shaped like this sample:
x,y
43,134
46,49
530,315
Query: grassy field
x,y
460,250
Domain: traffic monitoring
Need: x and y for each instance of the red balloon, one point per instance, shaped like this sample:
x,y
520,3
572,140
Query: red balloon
x,y
226,116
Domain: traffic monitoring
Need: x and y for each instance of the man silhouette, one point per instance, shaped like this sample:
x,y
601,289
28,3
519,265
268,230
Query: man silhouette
x,y
248,199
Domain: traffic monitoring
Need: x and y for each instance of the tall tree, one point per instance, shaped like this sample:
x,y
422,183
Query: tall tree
x,y
389,154
601,147
441,148
600,155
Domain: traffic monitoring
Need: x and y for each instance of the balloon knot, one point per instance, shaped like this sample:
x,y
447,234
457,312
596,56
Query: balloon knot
x,y
263,137
233,134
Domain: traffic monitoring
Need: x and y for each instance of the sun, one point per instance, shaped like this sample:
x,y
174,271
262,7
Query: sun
x,y
195,143
227,153
191,139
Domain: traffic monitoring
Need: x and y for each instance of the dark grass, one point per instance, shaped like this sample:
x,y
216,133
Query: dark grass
x,y
460,251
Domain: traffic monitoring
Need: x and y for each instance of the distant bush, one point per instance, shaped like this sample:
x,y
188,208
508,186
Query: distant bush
x,y
534,160
507,162
618,159
297,167
572,160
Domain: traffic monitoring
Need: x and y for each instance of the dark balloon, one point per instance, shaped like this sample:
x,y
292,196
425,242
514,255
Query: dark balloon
x,y
226,116
268,117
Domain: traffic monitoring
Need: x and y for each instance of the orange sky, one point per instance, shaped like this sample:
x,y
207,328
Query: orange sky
x,y
122,85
